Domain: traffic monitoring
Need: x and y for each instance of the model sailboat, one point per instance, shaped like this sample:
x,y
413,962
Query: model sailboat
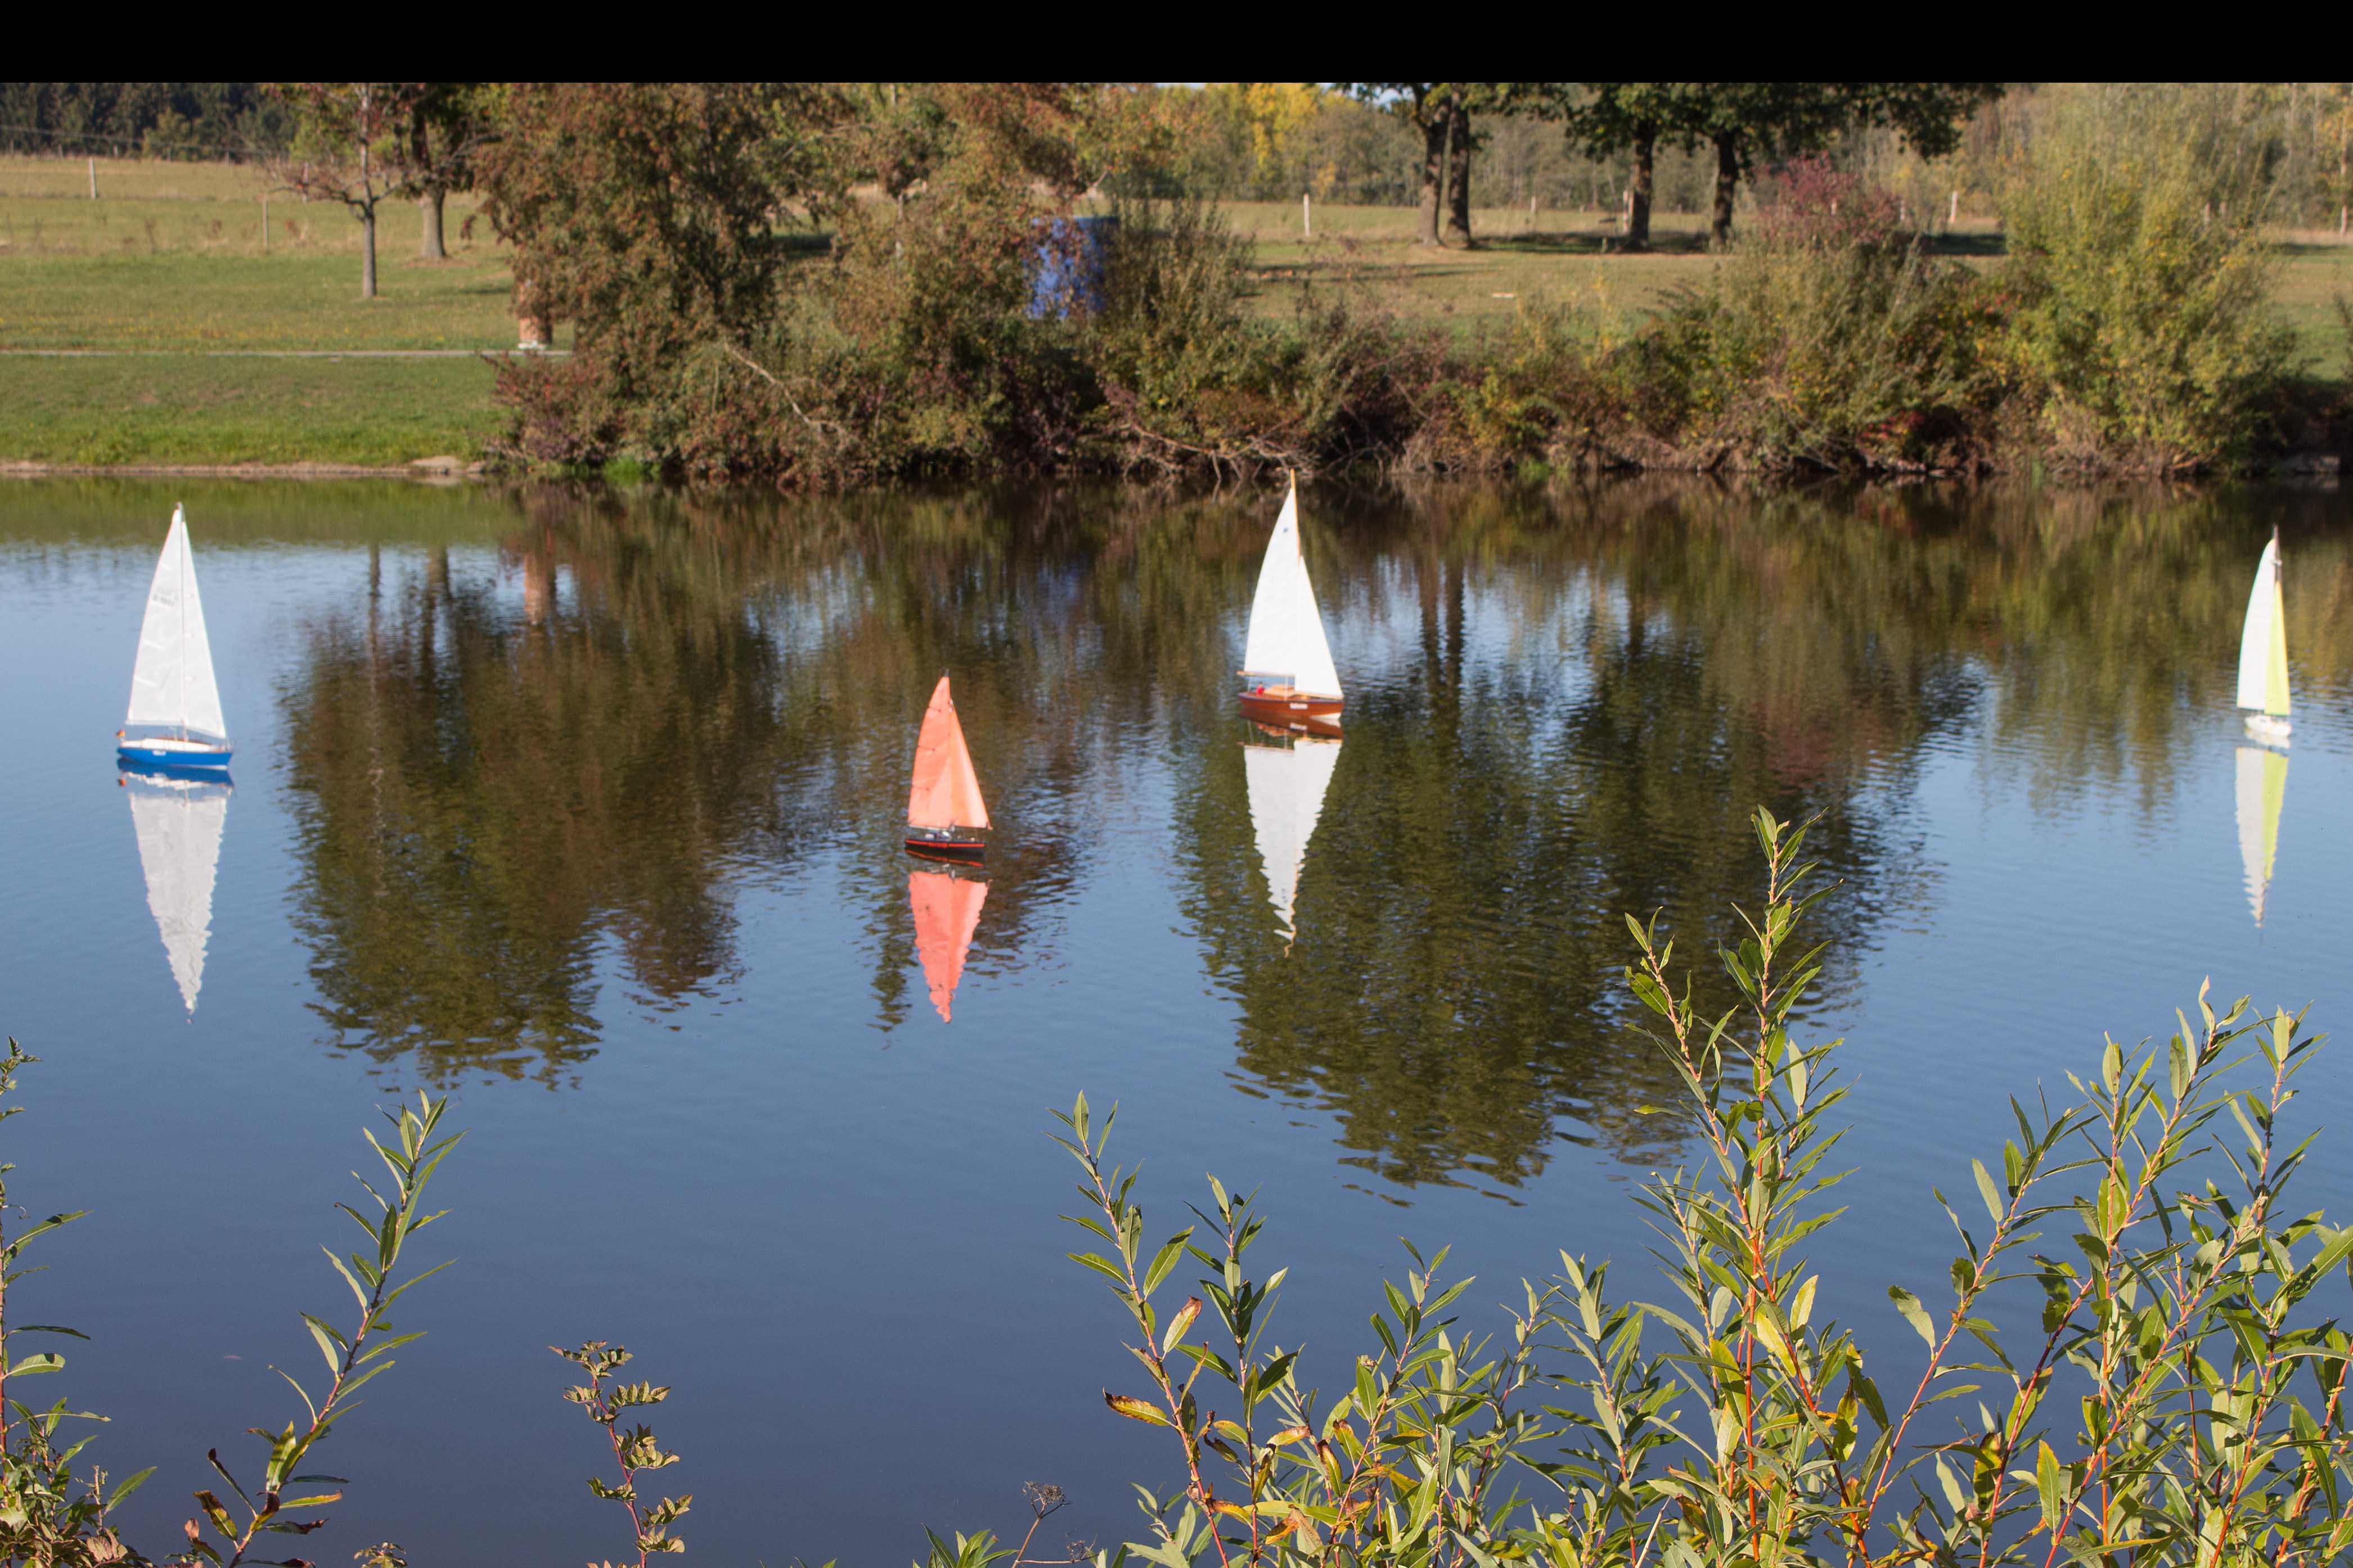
x,y
947,911
945,814
1287,672
2262,785
2263,653
1287,784
178,820
175,709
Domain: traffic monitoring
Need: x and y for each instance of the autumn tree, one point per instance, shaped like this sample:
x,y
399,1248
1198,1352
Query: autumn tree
x,y
643,211
903,129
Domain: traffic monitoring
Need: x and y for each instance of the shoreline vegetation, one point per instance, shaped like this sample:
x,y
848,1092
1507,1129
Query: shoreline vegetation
x,y
1737,1421
830,285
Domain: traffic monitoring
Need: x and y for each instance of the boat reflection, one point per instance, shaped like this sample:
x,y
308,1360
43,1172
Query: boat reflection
x,y
527,788
2262,788
947,910
1287,778
178,816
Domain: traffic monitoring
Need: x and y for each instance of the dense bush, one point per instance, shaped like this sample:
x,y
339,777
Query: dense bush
x,y
2131,327
2140,314
1826,338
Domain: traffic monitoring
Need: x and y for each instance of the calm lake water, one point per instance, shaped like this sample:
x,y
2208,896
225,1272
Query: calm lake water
x,y
586,807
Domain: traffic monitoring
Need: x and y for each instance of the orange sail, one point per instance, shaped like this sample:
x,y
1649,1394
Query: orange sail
x,y
946,792
946,908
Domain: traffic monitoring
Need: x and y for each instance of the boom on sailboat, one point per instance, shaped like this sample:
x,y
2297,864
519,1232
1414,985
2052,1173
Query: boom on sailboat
x,y
2263,653
945,815
1287,674
176,710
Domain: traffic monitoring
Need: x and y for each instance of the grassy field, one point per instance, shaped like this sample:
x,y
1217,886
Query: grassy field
x,y
170,269
149,409
168,272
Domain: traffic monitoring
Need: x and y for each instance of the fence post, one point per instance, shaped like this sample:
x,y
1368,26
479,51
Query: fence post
x,y
265,223
93,179
1306,219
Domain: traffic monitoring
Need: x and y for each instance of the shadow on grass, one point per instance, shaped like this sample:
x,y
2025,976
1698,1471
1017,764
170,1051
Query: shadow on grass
x,y
1592,242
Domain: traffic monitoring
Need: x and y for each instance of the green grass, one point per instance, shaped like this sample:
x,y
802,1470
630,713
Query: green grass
x,y
170,261
195,300
182,409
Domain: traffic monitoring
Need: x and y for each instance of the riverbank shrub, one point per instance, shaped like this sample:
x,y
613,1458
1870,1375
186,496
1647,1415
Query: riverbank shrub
x,y
2133,1363
2132,326
2138,293
1827,339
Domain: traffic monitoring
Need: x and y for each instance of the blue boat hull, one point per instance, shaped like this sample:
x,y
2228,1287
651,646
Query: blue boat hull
x,y
174,759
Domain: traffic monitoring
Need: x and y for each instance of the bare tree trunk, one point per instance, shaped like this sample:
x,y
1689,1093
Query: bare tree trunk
x,y
1727,185
1638,208
431,247
1433,176
367,191
1458,173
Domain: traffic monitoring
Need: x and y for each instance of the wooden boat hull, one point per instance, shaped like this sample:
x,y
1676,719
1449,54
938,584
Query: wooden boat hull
x,y
955,851
1287,708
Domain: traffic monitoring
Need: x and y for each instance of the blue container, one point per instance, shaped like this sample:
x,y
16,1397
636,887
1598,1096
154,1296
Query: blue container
x,y
1067,265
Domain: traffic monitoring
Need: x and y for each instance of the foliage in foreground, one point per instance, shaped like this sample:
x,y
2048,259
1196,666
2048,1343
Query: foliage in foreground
x,y
53,1515
2177,1400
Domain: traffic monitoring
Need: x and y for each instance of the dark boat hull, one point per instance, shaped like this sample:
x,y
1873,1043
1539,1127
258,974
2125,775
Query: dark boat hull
x,y
955,851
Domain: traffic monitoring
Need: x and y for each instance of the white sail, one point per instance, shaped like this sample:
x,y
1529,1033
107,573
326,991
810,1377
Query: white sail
x,y
2263,786
179,823
2263,646
1286,798
171,684
1286,642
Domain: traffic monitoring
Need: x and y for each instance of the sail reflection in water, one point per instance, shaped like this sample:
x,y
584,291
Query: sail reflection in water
x,y
179,822
947,910
2263,786
1287,783
529,788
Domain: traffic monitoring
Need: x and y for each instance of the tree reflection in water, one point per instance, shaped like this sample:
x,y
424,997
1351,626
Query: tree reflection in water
x,y
1564,704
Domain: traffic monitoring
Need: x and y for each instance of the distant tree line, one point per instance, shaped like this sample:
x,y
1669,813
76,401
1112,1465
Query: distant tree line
x,y
1576,146
232,119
